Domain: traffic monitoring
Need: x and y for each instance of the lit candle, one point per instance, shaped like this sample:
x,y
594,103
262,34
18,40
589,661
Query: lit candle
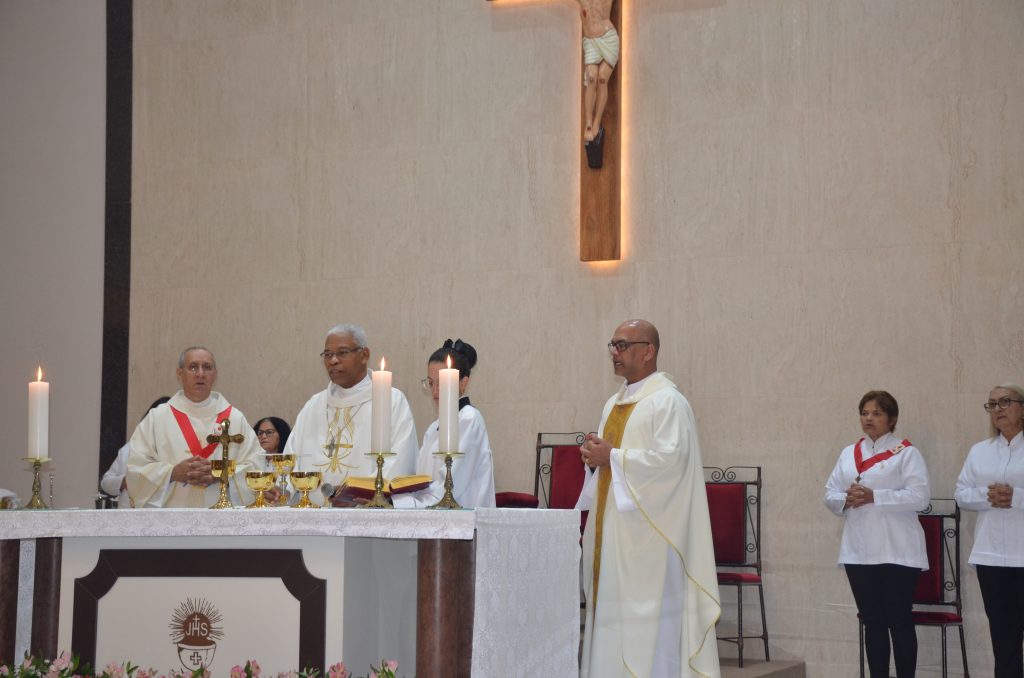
x,y
380,428
38,416
448,410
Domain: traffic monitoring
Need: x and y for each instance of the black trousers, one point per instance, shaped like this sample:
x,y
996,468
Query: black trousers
x,y
885,600
1002,590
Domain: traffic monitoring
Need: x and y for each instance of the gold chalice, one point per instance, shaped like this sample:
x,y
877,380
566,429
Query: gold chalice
x,y
305,482
259,482
217,471
283,464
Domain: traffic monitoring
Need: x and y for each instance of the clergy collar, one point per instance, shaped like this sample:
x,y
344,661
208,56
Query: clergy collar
x,y
631,389
342,392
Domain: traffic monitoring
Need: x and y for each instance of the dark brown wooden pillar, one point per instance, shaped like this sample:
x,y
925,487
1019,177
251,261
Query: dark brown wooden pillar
x,y
444,608
46,598
10,553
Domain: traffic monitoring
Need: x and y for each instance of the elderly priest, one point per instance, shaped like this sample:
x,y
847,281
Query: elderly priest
x,y
169,464
332,432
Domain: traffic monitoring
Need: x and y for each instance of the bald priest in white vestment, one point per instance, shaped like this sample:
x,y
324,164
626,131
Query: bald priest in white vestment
x,y
169,462
332,432
652,594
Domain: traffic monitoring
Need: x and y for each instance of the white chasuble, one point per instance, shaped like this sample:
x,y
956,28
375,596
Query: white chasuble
x,y
332,435
472,473
657,596
159,444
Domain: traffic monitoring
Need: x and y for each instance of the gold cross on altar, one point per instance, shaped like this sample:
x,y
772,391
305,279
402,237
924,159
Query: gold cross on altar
x,y
600,188
225,438
334,461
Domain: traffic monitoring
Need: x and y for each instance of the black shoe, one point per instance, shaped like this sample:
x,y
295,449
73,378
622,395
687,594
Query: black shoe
x,y
595,150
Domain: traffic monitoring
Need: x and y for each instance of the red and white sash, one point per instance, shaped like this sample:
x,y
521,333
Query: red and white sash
x,y
194,446
862,466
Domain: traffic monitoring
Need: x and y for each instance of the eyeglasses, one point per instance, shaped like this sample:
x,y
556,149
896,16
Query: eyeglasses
x,y
196,368
622,345
328,356
266,433
428,384
1001,404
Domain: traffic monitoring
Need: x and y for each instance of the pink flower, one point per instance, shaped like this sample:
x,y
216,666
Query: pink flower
x,y
254,668
373,674
237,672
391,665
4,671
27,664
115,670
63,661
338,671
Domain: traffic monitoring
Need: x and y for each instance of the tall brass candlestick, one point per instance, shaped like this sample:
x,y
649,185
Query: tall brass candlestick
x,y
380,500
227,467
448,500
36,502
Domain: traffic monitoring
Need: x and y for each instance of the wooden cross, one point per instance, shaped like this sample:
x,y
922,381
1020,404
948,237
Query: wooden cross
x,y
600,189
225,439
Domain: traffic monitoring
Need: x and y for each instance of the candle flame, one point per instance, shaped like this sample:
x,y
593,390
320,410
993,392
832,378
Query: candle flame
x,y
39,373
449,361
382,364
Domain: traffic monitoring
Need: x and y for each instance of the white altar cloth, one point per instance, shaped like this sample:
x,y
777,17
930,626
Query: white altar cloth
x,y
526,605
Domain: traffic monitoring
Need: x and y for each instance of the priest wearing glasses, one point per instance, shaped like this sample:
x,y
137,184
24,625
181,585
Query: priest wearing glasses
x,y
332,431
169,464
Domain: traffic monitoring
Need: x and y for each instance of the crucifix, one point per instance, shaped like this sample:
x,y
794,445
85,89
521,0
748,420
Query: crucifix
x,y
331,448
601,132
227,467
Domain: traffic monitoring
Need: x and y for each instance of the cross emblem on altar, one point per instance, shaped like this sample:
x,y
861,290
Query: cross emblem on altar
x,y
600,185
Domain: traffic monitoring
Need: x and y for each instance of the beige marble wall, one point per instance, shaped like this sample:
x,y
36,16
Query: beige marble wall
x,y
822,197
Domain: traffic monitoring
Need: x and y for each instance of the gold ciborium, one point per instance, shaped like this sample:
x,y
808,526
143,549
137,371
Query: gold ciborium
x,y
217,471
305,482
259,482
283,464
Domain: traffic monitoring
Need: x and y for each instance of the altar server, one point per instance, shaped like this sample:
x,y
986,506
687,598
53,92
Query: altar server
x,y
473,472
648,560
992,483
169,463
332,431
878,485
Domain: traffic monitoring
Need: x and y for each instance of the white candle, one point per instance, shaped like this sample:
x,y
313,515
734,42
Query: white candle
x,y
380,428
38,416
448,410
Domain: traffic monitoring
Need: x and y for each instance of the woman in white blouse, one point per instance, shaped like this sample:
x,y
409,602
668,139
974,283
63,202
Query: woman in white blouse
x,y
472,473
878,486
992,483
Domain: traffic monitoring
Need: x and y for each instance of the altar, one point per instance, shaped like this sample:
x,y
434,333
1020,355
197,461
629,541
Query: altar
x,y
486,592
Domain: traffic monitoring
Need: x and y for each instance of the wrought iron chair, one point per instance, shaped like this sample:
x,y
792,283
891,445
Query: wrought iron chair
x,y
734,502
937,600
558,474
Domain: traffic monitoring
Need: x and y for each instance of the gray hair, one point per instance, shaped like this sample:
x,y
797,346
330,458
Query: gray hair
x,y
1015,388
357,333
181,358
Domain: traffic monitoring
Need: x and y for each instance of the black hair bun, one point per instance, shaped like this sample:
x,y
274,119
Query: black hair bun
x,y
467,351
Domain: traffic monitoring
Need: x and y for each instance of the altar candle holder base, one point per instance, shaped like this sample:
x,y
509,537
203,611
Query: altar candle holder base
x,y
36,502
380,500
448,500
217,469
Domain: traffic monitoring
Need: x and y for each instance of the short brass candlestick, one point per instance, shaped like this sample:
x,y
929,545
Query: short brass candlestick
x,y
380,500
36,502
226,467
448,500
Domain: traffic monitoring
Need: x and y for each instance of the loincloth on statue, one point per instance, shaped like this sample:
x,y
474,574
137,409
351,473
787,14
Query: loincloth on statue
x,y
603,48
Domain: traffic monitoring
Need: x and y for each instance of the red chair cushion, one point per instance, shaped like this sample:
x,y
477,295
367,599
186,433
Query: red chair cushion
x,y
929,585
515,500
738,578
727,505
567,476
937,618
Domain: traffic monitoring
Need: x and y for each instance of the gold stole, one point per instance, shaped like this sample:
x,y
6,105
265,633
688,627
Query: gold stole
x,y
612,432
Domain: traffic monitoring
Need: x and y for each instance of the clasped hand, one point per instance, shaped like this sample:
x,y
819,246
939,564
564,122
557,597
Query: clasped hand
x,y
595,451
1000,495
858,495
193,471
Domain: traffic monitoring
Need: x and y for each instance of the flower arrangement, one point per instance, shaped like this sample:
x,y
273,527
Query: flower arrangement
x,y
67,665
